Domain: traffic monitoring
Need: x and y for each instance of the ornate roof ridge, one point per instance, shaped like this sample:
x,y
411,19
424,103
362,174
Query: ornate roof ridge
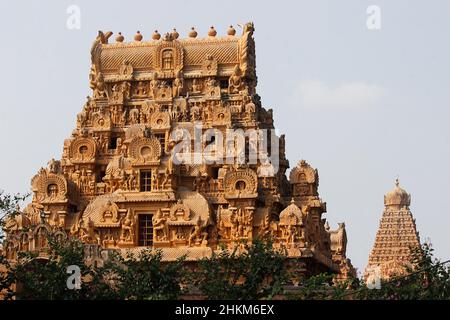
x,y
189,41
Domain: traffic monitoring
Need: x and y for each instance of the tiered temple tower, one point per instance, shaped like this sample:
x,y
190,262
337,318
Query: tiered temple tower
x,y
395,238
120,183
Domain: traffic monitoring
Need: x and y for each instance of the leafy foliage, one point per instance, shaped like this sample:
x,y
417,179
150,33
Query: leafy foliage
x,y
141,277
8,207
144,276
253,271
428,278
249,271
322,287
44,277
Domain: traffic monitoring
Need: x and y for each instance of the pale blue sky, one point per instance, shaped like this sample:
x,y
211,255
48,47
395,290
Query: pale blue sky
x,y
362,106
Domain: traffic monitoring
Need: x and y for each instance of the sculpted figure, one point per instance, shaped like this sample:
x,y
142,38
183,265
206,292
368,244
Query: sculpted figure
x,y
141,89
196,86
134,116
82,117
159,226
177,85
211,83
53,166
155,181
154,85
249,108
110,212
126,69
97,83
235,83
167,178
292,234
104,143
127,233
197,234
131,181
87,233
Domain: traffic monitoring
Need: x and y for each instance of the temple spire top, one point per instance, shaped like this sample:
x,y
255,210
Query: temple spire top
x,y
397,234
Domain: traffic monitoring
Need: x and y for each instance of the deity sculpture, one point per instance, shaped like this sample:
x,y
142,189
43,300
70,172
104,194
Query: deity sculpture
x,y
235,83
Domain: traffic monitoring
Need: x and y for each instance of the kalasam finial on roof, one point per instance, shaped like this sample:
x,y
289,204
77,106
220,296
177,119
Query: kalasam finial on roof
x,y
138,36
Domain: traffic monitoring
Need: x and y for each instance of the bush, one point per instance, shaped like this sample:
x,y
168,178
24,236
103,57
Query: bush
x,y
249,271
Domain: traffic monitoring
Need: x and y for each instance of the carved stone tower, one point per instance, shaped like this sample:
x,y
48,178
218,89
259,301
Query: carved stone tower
x,y
396,236
124,181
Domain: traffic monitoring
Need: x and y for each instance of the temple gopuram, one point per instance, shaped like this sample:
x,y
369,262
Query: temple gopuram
x,y
396,237
121,183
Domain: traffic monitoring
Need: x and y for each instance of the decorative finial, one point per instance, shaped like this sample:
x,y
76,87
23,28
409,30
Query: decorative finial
x,y
292,200
119,37
175,34
192,33
397,182
138,36
156,35
212,32
231,31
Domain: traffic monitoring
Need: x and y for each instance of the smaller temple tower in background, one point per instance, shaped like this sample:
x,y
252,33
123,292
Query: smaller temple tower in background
x,y
395,238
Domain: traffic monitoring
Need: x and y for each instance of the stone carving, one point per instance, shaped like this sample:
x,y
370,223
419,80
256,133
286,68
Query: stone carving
x,y
116,185
180,212
196,86
128,228
291,225
87,233
221,116
304,179
134,116
247,52
235,223
169,56
126,70
141,89
160,230
395,237
241,183
236,83
110,212
97,83
145,150
49,187
154,85
198,234
115,173
160,120
211,89
82,149
209,66
120,92
178,84
339,240
54,166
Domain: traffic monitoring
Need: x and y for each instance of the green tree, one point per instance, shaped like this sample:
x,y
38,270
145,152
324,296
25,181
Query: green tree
x,y
249,271
143,276
8,207
44,277
427,278
323,287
